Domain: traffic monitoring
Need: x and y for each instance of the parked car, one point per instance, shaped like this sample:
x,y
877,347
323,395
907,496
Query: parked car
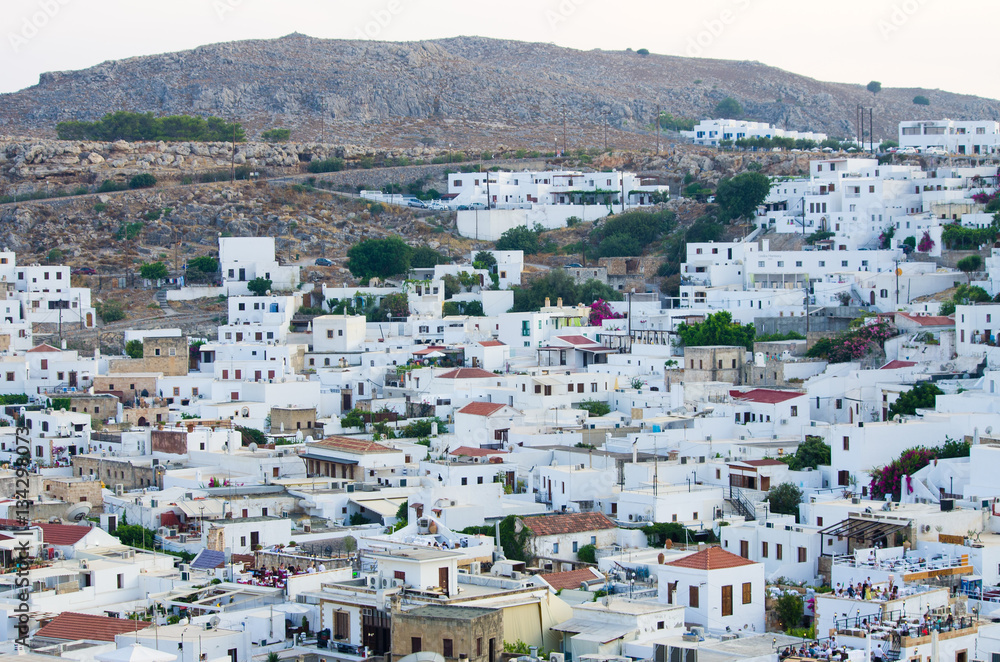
x,y
323,262
84,271
416,203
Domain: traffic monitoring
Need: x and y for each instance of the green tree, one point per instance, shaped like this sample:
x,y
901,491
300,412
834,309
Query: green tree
x,y
485,260
110,311
738,197
630,233
784,499
921,100
789,608
520,238
205,264
921,396
717,329
729,108
587,554
874,87
425,257
968,265
811,453
395,305
133,349
963,296
643,52
143,180
154,271
276,135
555,284
259,286
55,256
379,258
595,407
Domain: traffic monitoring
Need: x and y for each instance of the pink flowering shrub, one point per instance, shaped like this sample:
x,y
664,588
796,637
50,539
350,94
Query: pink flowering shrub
x,y
854,344
600,311
888,479
926,243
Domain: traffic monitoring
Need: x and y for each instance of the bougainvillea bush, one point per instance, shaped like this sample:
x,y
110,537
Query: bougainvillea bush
x,y
600,311
888,479
926,243
854,344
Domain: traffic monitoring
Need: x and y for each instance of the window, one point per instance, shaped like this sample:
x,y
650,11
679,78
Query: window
x,y
795,410
763,549
693,597
121,580
575,546
777,551
479,646
819,521
465,481
342,625
555,548
843,478
843,263
479,480
802,554
447,648
747,593
745,549
839,404
727,600
847,443
415,645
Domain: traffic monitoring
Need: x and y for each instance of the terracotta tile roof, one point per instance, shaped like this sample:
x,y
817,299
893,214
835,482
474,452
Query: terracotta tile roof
x,y
427,350
765,396
467,373
572,578
553,525
929,320
577,340
350,445
713,558
893,365
62,534
73,626
44,347
469,451
481,408
491,343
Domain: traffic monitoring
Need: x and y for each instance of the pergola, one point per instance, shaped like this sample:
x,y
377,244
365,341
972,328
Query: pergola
x,y
861,529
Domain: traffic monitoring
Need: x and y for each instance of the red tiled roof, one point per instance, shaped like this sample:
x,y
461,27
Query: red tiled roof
x,y
713,558
893,365
929,320
73,626
44,347
491,343
762,463
62,534
765,396
552,525
469,451
481,408
577,340
571,579
350,445
429,349
467,373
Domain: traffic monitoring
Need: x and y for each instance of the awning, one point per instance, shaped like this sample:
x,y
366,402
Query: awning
x,y
384,507
597,350
863,529
547,381
203,507
169,518
590,630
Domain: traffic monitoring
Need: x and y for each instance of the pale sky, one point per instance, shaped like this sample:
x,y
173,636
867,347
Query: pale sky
x,y
902,43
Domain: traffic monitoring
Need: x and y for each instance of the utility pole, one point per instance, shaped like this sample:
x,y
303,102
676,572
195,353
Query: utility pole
x,y
565,143
871,128
233,155
657,130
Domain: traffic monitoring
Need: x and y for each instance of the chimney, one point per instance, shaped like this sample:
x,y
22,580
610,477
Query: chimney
x,y
559,302
548,302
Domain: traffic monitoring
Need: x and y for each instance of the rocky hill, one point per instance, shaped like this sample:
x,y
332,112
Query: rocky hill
x,y
464,90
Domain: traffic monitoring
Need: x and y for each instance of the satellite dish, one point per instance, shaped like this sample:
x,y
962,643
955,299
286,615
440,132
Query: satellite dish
x,y
78,512
253,447
214,621
989,429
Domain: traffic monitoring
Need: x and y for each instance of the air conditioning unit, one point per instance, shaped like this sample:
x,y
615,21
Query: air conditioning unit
x,y
119,489
373,582
855,500
184,538
397,582
557,657
475,568
385,582
784,421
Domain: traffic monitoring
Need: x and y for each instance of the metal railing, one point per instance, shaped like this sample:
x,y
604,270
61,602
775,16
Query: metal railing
x,y
742,504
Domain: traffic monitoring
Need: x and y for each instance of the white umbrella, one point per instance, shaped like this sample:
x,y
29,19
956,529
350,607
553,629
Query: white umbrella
x,y
135,653
292,608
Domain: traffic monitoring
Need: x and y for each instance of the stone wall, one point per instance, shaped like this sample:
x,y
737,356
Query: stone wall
x,y
168,355
75,490
114,471
432,630
169,441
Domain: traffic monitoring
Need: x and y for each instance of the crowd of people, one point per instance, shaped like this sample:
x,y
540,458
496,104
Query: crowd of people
x,y
816,650
867,590
277,577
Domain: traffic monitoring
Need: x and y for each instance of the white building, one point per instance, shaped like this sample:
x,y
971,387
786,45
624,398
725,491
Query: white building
x,y
711,132
246,258
953,136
